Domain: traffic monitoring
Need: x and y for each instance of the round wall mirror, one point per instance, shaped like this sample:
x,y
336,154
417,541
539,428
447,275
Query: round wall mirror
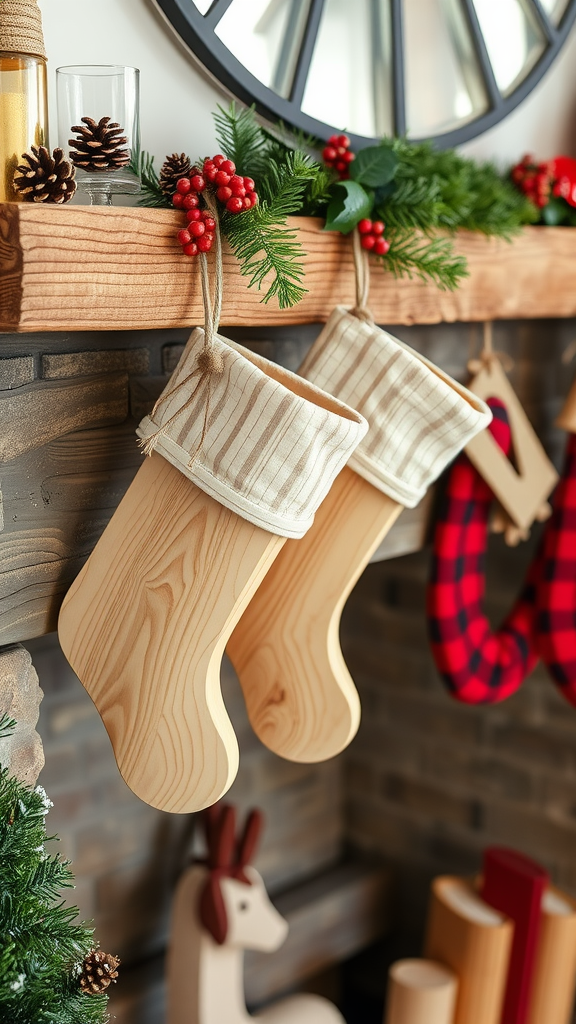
x,y
431,69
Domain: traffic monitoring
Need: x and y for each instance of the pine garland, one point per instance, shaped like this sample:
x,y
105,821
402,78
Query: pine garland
x,y
422,195
42,946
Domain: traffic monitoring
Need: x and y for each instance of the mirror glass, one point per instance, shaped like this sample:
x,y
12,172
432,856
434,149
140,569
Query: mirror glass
x,y
265,36
350,78
444,85
555,8
513,39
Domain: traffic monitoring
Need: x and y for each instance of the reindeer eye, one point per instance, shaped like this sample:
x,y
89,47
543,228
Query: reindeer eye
x,y
243,906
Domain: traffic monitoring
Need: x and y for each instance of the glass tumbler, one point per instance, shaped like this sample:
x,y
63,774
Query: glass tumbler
x,y
99,126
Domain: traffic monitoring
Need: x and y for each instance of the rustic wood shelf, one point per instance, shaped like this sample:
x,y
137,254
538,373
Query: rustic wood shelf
x,y
102,269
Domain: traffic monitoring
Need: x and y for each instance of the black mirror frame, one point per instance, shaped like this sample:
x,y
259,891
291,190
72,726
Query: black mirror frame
x,y
196,31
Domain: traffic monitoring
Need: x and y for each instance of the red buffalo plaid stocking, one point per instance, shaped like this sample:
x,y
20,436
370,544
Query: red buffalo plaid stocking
x,y
556,589
478,666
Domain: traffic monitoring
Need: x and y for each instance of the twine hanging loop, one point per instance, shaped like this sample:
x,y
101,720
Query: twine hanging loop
x,y
489,354
209,362
362,274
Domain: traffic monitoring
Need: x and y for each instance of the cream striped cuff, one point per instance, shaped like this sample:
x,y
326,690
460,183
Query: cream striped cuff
x,y
419,418
274,442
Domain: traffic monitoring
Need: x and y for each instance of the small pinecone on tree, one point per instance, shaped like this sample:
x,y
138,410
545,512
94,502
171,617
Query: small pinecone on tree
x,y
173,168
99,970
99,146
44,178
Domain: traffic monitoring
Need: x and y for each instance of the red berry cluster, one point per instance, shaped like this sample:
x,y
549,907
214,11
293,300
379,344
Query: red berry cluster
x,y
237,193
534,180
337,154
199,235
372,232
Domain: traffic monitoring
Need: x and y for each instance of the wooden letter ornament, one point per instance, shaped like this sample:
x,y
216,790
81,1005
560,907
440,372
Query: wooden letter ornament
x,y
467,935
522,493
420,992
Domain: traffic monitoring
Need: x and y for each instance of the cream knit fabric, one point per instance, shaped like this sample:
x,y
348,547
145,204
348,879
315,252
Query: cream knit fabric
x,y
274,442
419,417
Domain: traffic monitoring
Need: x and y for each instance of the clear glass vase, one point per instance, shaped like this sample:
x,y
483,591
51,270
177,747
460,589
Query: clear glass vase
x,y
95,92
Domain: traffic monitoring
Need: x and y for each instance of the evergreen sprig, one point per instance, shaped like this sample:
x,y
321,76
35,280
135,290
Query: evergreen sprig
x,y
42,946
142,165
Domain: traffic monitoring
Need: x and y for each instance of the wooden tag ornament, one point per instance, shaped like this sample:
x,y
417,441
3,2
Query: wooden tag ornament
x,y
522,492
300,697
242,454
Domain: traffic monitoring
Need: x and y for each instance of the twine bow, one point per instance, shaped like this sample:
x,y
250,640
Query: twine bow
x,y
489,354
362,273
209,363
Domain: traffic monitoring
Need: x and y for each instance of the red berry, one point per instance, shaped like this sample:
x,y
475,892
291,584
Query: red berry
x,y
236,179
249,184
341,151
329,154
334,140
368,241
190,202
209,235
365,226
194,215
254,198
177,200
247,202
229,166
210,170
381,246
222,178
235,204
341,166
205,244
349,156
378,227
343,140
197,228
541,201
184,237
218,160
198,183
183,186
191,249
224,193
209,223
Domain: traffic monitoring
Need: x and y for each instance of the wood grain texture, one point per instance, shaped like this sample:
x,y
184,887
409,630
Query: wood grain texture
x,y
554,979
420,992
124,268
300,697
145,625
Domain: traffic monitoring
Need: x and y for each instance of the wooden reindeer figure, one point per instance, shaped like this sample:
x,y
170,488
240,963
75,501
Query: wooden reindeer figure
x,y
220,909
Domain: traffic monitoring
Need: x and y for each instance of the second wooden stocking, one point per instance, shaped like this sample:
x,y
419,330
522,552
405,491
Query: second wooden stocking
x,y
301,700
244,452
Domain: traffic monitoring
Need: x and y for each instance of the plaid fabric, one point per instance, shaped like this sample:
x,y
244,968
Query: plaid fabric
x,y
556,590
478,666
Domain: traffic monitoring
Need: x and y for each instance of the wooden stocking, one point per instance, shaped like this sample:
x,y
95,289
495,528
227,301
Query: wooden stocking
x,y
300,697
146,622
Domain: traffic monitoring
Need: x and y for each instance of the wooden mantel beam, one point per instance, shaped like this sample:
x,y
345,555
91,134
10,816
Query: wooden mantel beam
x,y
93,268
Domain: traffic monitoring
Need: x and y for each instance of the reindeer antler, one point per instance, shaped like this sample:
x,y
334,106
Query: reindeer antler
x,y
249,842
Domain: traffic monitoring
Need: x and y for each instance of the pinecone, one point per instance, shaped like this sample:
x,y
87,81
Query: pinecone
x,y
99,970
99,146
173,168
45,178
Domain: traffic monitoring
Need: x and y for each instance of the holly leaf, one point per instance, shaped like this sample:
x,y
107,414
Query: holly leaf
x,y
555,212
349,204
374,166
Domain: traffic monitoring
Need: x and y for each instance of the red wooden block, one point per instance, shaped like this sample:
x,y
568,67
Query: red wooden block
x,y
515,885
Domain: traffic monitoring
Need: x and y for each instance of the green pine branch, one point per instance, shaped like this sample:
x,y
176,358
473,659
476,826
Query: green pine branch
x,y
242,139
42,945
430,259
267,250
142,165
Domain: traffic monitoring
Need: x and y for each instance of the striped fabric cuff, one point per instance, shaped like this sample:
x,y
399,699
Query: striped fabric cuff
x,y
419,418
274,443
